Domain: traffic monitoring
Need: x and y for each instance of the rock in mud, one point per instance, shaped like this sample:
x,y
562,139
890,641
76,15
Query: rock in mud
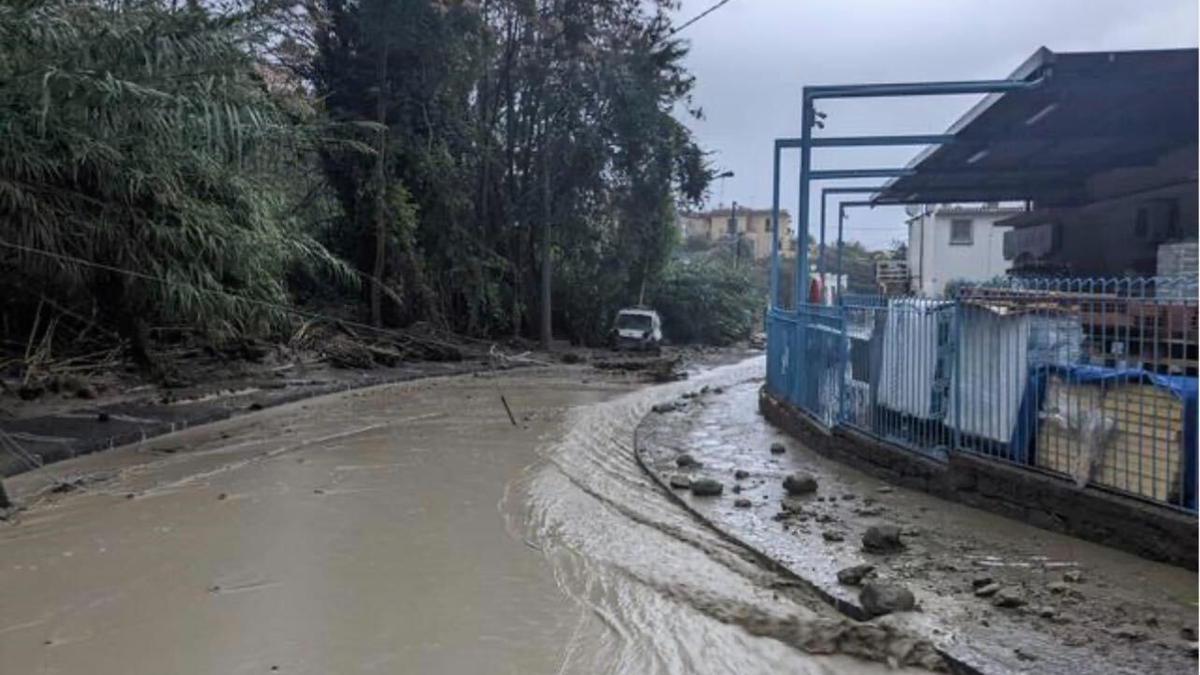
x,y
1073,577
879,598
1187,633
1009,597
853,576
980,582
737,489
882,539
742,503
28,392
680,482
707,487
778,448
103,417
661,408
741,474
833,535
987,590
800,484
1046,612
686,461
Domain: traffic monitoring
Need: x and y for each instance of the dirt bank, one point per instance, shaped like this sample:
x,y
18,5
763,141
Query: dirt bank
x,y
996,595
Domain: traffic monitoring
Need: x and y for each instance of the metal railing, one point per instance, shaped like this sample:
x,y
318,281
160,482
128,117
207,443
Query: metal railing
x,y
1090,380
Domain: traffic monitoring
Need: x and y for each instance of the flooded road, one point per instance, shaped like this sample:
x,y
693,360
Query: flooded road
x,y
403,529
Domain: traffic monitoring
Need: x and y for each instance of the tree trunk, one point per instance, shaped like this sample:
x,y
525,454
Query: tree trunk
x,y
380,192
545,328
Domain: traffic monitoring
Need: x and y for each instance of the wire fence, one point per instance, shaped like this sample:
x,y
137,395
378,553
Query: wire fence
x,y
1092,380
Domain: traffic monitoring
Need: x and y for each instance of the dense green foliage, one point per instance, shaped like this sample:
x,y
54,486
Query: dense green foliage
x,y
706,298
139,139
207,164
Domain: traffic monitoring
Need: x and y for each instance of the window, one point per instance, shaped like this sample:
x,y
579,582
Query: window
x,y
961,232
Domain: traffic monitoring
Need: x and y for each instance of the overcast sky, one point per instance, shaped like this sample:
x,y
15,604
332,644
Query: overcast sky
x,y
751,58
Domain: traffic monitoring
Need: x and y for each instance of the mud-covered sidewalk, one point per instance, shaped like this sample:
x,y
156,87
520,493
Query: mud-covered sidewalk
x,y
995,595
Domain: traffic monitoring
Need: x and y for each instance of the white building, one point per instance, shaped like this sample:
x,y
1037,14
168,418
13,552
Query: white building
x,y
956,243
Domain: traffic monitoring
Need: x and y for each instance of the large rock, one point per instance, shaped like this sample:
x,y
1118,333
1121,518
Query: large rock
x,y
882,539
686,461
778,448
800,483
1008,596
879,598
853,576
707,487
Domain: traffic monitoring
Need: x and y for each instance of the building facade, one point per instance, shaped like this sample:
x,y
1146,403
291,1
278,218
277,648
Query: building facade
x,y
728,225
956,243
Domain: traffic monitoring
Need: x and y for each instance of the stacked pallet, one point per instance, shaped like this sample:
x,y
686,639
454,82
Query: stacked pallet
x,y
1122,435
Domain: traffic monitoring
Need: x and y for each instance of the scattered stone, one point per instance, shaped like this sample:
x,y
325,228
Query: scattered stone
x,y
1024,655
1187,633
1152,621
1058,587
790,507
741,474
987,590
1129,631
707,487
1073,576
778,448
103,417
869,511
1046,612
825,518
833,535
686,461
742,503
1193,649
800,484
1009,597
737,489
718,390
28,392
853,576
980,582
85,391
1076,640
885,489
879,598
222,497
679,482
255,406
661,408
882,539
848,497
318,491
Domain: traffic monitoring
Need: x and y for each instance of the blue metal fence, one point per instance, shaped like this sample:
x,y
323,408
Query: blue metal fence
x,y
1094,381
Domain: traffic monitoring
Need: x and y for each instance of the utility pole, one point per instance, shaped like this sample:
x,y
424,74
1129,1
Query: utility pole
x,y
737,241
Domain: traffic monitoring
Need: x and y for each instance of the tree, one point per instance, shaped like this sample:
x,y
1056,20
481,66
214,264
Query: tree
x,y
140,154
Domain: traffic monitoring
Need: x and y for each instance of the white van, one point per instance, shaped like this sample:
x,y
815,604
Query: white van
x,y
637,328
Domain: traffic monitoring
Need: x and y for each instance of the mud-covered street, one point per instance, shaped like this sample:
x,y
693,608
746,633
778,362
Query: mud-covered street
x,y
409,528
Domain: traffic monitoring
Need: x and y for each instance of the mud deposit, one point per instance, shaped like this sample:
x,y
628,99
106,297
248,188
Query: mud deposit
x,y
404,529
995,594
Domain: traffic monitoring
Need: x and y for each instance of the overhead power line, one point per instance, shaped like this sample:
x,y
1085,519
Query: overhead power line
x,y
696,18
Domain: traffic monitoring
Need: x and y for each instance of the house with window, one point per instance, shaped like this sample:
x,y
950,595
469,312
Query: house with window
x,y
736,224
956,243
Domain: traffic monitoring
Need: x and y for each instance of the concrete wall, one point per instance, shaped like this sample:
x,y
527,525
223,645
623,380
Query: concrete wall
x,y
933,261
1042,500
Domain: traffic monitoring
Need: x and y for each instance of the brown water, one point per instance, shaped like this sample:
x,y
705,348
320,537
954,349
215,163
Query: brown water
x,y
404,529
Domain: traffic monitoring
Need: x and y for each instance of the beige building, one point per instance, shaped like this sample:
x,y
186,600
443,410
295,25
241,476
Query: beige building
x,y
724,225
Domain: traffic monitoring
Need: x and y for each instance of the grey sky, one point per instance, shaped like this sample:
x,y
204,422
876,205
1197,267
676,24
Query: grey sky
x,y
751,58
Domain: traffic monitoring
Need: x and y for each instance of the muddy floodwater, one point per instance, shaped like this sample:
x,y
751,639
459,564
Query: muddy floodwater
x,y
404,529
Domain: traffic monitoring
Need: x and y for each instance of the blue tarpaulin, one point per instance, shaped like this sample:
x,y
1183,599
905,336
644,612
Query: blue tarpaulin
x,y
1022,447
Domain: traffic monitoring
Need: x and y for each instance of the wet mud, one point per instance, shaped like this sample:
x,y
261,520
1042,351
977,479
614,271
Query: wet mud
x,y
995,594
409,528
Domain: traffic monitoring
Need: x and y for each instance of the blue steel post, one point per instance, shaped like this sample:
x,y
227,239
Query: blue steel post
x,y
800,278
837,275
774,297
821,244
